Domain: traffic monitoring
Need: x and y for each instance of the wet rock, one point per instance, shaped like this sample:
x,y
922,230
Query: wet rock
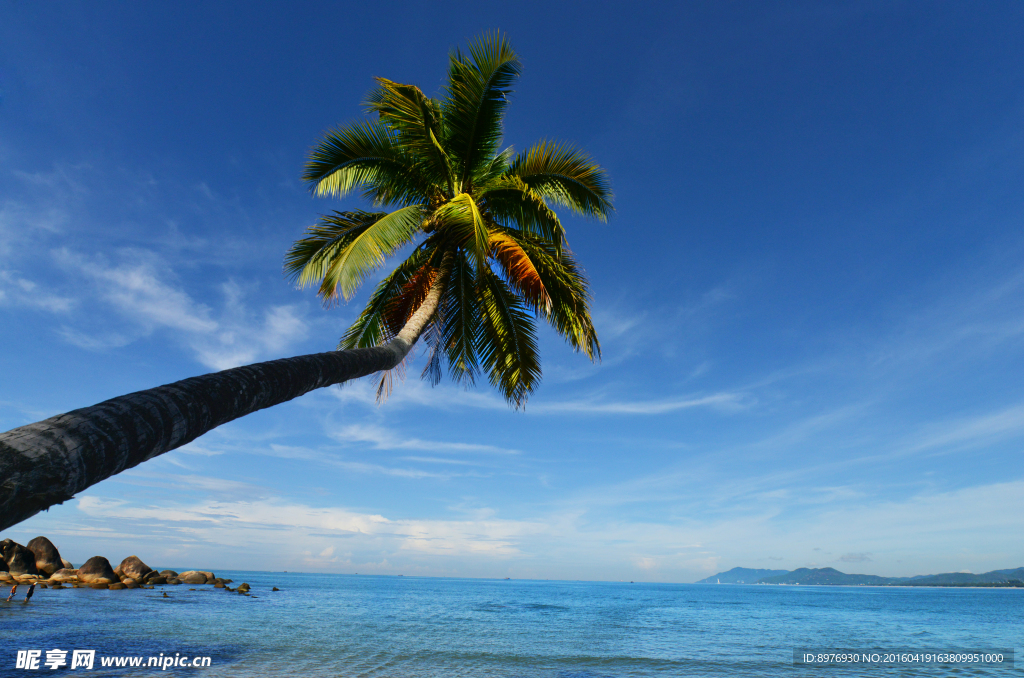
x,y
243,587
43,585
193,578
58,585
159,579
97,570
99,585
165,595
48,559
19,559
115,587
218,585
130,583
275,589
174,581
133,567
169,573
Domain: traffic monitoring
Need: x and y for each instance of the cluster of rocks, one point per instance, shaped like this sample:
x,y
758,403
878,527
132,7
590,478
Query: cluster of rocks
x,y
40,562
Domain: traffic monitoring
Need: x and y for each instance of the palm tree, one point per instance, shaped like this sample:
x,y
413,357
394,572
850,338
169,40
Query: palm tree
x,y
488,257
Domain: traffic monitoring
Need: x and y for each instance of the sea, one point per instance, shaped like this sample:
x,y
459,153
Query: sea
x,y
364,626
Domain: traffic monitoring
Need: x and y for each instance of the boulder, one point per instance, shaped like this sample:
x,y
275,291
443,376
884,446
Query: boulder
x,y
64,575
67,564
97,570
48,559
3,564
243,588
19,559
159,579
130,583
194,578
174,581
115,587
133,567
58,585
169,573
99,585
218,585
151,575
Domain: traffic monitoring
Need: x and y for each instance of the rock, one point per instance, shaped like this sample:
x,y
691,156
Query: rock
x,y
99,585
134,568
159,579
48,559
58,585
243,587
174,581
19,559
42,585
64,575
115,587
151,575
275,589
3,563
67,564
5,575
130,583
165,595
169,573
194,578
97,570
218,585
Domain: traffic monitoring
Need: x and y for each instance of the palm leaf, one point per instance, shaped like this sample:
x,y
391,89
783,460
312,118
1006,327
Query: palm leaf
x,y
309,258
371,327
507,343
461,322
518,206
367,154
417,119
476,100
567,289
566,176
349,266
461,218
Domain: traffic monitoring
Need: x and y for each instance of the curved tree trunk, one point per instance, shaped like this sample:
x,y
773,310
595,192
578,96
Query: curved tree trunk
x,y
47,462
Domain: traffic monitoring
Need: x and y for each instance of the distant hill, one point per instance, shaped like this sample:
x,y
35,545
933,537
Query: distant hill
x,y
741,575
827,576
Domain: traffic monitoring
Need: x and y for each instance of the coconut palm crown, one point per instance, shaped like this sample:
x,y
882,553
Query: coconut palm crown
x,y
488,247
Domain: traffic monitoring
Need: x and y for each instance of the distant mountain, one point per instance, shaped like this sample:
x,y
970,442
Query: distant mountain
x,y
827,576
741,575
993,577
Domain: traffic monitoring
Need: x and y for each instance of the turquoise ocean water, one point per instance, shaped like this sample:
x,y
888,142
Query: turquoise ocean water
x,y
412,627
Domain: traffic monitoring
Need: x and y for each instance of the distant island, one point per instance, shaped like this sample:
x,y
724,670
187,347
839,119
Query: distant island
x,y
827,576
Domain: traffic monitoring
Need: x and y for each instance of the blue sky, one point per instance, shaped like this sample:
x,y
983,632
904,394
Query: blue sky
x,y
810,298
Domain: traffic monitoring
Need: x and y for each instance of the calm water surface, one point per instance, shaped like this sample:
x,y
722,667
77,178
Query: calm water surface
x,y
410,627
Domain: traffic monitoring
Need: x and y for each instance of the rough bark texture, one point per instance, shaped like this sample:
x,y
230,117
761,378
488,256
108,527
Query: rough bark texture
x,y
47,462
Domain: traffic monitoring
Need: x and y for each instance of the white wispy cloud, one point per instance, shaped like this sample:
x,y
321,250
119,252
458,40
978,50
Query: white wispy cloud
x,y
140,288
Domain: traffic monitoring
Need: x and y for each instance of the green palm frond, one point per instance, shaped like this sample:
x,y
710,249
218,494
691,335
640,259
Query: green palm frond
x,y
364,239
566,177
310,257
476,98
366,154
567,307
371,327
461,217
507,343
516,205
461,322
417,120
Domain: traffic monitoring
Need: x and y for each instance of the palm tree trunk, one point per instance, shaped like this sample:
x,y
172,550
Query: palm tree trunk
x,y
48,462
